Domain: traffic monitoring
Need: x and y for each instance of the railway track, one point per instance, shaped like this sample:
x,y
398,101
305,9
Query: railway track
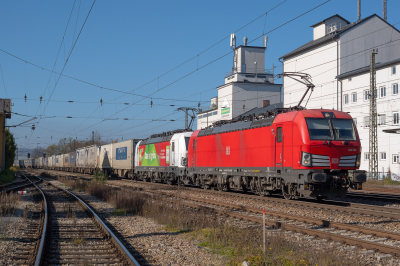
x,y
68,231
341,206
356,236
15,185
373,196
367,238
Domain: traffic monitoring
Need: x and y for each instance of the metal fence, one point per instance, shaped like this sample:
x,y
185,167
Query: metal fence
x,y
383,175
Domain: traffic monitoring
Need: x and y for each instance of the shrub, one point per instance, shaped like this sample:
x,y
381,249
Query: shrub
x,y
99,176
6,176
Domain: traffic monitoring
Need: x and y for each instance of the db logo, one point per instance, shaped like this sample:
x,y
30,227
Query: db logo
x,y
335,160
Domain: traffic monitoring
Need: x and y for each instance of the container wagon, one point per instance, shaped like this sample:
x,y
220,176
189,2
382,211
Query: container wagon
x,y
104,158
123,154
80,160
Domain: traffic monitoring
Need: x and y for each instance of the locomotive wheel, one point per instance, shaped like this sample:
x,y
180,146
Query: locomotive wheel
x,y
286,192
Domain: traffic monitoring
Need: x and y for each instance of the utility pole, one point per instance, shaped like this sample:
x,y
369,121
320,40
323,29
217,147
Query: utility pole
x,y
373,139
92,137
192,116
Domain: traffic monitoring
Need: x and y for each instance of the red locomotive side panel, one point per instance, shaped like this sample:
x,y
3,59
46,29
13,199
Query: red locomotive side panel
x,y
244,148
262,147
154,154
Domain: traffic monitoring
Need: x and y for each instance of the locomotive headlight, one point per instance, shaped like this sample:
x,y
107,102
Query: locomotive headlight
x,y
358,161
305,159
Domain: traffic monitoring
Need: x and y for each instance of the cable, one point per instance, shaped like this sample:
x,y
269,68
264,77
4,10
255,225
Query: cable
x,y
69,55
213,61
1,70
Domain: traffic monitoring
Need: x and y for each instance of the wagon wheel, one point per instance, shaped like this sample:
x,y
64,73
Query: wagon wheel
x,y
220,187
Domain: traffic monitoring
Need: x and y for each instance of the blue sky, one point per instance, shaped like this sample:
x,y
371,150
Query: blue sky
x,y
125,45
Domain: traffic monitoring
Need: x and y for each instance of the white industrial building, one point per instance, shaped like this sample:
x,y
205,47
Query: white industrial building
x,y
338,60
248,86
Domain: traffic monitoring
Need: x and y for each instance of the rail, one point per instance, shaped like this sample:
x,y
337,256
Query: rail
x,y
42,240
114,238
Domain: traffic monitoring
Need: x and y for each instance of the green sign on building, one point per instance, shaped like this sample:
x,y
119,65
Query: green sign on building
x,y
225,110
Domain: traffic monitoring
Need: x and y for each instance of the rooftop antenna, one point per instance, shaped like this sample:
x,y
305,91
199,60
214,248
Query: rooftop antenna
x,y
359,10
384,10
303,78
233,41
245,41
265,40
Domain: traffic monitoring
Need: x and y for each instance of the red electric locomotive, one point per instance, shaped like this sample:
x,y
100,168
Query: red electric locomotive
x,y
313,153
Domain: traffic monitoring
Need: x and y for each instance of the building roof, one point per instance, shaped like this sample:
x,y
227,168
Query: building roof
x,y
259,110
316,24
366,69
331,36
261,47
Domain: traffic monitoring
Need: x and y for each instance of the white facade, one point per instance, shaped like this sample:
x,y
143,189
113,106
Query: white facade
x,y
356,102
245,88
338,63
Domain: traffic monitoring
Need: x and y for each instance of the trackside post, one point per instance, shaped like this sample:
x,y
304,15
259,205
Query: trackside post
x,y
264,231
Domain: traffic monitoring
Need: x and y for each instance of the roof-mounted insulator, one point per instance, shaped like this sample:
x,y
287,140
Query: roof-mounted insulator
x,y
25,97
151,103
101,101
41,98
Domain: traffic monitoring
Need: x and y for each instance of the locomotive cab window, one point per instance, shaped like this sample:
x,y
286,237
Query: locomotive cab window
x,y
331,129
319,129
343,129
187,142
279,134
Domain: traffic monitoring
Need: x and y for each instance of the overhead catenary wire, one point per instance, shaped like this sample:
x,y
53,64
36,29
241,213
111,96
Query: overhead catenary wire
x,y
215,60
227,54
4,83
66,61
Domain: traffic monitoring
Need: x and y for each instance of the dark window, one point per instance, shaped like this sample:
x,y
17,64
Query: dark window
x,y
173,146
187,142
343,129
319,129
279,134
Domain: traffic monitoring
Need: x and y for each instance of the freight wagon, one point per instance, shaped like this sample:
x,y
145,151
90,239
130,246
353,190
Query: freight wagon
x,y
80,160
90,159
69,162
104,158
123,156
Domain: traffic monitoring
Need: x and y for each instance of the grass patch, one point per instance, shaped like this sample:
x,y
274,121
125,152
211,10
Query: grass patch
x,y
119,212
245,244
7,176
78,241
3,238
